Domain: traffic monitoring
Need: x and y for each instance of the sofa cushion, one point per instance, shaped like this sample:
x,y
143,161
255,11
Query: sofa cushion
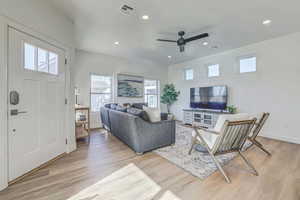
x,y
153,113
139,113
139,105
121,108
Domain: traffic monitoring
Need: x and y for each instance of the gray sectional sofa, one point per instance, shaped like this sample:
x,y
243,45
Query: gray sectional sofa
x,y
138,134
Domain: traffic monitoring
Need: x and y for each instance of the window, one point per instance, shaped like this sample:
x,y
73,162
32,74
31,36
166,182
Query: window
x,y
188,74
247,64
53,63
41,60
213,70
29,57
101,91
152,93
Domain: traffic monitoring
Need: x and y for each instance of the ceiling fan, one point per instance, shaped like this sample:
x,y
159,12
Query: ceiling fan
x,y
182,41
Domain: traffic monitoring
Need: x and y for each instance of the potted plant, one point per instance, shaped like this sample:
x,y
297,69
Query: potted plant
x,y
169,95
232,109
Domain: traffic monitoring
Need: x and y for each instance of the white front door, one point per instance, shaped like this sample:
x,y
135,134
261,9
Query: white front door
x,y
36,102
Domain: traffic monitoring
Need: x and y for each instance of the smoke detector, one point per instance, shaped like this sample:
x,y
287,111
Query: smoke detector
x,y
127,10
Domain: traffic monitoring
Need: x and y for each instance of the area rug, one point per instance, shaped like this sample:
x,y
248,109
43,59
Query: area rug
x,y
198,164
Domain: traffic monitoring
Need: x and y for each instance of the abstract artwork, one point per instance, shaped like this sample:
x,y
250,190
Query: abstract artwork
x,y
130,86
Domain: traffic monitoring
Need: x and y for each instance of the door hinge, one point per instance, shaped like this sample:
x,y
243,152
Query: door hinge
x,y
66,101
66,61
66,141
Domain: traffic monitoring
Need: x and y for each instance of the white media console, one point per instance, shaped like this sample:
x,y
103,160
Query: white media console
x,y
204,118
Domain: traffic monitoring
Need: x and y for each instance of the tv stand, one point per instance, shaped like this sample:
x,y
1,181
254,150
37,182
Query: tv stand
x,y
203,118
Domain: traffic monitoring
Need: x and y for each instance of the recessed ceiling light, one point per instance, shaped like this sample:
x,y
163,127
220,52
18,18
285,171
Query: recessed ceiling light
x,y
205,43
267,22
117,43
169,57
145,17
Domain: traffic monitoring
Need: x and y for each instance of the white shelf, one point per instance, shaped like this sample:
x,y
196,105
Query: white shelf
x,y
202,118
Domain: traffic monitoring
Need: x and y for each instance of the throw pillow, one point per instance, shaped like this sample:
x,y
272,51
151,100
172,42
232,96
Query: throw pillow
x,y
107,105
121,108
139,105
139,113
113,106
127,105
153,113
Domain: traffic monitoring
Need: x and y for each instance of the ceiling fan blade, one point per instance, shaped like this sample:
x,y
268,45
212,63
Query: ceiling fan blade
x,y
163,40
203,35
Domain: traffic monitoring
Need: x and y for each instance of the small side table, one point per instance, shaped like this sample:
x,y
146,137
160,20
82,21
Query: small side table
x,y
82,126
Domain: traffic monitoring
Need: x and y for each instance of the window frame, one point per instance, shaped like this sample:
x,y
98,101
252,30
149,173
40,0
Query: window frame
x,y
219,71
157,92
185,74
98,93
36,49
239,58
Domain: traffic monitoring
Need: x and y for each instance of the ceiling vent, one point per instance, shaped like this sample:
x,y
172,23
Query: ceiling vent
x,y
127,10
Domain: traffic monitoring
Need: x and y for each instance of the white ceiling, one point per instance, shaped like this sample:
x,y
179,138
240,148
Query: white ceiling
x,y
231,24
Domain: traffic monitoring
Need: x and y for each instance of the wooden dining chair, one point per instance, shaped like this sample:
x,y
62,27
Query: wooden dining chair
x,y
256,130
231,138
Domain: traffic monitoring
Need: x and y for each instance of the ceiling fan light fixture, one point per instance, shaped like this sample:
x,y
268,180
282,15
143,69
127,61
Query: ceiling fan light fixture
x,y
181,48
116,42
169,57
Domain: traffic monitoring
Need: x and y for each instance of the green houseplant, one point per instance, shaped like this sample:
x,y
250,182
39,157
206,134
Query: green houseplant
x,y
169,95
232,109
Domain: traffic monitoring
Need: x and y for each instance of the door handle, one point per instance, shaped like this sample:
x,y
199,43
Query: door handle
x,y
16,112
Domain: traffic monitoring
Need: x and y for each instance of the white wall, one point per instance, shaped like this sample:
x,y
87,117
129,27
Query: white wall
x,y
87,63
274,88
38,18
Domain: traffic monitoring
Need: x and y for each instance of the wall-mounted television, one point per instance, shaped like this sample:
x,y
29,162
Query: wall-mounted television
x,y
214,97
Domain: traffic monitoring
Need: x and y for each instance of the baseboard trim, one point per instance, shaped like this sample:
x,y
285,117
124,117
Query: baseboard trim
x,y
282,138
36,169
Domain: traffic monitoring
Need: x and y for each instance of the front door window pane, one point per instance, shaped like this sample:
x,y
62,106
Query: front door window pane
x,y
53,63
42,60
29,56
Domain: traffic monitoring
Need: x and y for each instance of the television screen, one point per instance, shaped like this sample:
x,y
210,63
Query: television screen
x,y
209,97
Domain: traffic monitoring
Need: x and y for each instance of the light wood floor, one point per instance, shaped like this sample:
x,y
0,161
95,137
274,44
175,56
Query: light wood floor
x,y
110,166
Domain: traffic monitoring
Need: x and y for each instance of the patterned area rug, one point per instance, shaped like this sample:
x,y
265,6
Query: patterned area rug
x,y
198,164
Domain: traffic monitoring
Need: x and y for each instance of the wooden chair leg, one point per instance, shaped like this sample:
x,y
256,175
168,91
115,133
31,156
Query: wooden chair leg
x,y
259,145
193,144
249,164
220,168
